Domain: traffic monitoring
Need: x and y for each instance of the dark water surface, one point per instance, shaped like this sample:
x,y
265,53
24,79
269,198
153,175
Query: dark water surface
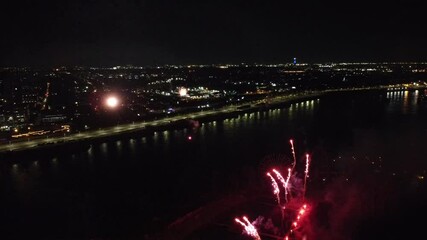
x,y
125,189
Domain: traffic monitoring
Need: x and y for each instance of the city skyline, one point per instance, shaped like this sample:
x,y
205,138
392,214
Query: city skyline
x,y
110,33
213,119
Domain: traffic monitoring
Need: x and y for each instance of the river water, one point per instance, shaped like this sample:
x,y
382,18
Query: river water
x,y
131,187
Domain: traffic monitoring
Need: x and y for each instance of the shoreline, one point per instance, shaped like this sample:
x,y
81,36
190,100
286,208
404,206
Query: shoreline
x,y
83,140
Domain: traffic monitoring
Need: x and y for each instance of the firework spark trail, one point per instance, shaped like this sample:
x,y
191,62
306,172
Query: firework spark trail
x,y
276,189
293,154
248,227
307,163
283,181
280,177
294,225
287,183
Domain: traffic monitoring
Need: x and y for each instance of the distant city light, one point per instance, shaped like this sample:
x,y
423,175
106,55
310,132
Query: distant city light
x,y
112,102
182,92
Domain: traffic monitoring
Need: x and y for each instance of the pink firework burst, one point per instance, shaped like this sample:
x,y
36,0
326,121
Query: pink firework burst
x,y
248,228
276,189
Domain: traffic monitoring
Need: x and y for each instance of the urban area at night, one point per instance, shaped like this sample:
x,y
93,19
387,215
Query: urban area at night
x,y
37,103
202,120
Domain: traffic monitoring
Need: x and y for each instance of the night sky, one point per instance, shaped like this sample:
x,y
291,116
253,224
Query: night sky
x,y
109,33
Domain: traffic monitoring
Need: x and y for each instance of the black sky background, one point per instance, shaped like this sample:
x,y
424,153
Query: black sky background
x,y
108,33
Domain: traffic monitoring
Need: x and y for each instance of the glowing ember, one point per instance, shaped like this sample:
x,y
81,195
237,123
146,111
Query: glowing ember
x,y
301,212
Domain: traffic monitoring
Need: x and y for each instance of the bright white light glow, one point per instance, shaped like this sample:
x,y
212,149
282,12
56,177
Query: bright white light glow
x,y
182,92
112,102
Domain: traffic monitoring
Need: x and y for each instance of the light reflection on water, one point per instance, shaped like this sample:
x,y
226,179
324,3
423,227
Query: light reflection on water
x,y
104,149
90,154
403,102
217,147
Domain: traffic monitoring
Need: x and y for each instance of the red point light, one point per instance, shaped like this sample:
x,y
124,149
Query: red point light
x,y
189,138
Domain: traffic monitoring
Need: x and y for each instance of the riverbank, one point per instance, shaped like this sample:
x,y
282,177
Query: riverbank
x,y
82,140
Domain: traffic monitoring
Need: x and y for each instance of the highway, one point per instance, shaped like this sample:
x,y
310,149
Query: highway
x,y
111,131
116,130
